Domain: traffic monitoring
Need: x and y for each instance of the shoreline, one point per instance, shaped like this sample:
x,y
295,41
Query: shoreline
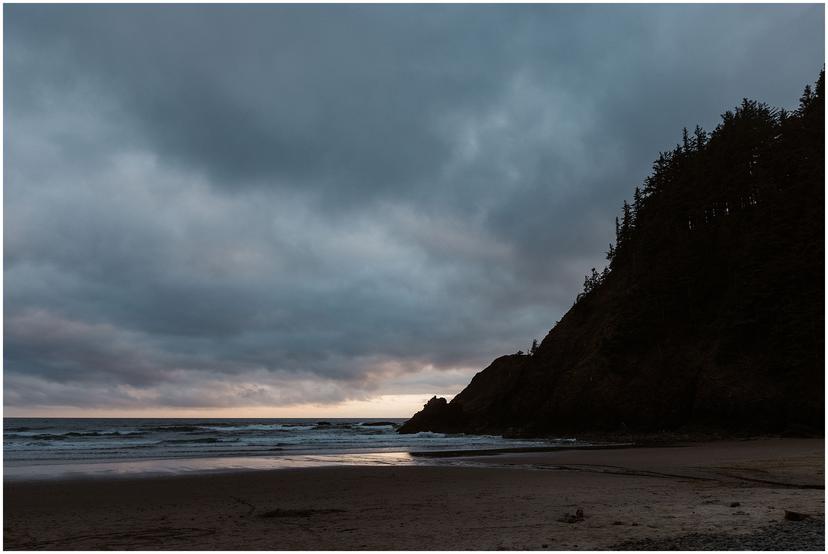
x,y
213,465
628,495
518,450
172,466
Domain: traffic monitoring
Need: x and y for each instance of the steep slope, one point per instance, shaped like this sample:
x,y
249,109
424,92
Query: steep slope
x,y
711,312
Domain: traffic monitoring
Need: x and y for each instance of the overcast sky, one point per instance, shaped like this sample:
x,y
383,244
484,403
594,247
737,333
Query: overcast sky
x,y
274,207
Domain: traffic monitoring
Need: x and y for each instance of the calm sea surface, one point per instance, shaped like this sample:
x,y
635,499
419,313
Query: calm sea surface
x,y
50,447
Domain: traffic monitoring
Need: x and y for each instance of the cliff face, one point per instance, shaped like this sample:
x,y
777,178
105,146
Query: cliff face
x,y
711,313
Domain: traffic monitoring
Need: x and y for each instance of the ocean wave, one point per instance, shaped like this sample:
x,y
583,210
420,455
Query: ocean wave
x,y
174,428
71,435
100,440
254,428
24,428
207,440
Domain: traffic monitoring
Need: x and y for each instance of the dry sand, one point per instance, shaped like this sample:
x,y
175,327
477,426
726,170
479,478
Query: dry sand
x,y
625,495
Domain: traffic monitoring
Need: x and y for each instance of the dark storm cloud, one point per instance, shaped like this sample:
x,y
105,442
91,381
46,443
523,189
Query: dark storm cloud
x,y
240,205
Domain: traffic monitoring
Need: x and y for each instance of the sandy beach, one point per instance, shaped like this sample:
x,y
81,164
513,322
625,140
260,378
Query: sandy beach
x,y
731,489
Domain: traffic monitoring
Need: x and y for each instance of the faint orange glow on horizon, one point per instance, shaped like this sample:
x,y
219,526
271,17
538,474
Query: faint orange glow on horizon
x,y
384,406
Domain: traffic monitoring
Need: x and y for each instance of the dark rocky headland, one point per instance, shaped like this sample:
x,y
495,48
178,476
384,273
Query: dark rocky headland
x,y
710,314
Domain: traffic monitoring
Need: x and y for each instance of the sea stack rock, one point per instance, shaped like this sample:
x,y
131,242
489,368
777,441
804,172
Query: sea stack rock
x,y
436,414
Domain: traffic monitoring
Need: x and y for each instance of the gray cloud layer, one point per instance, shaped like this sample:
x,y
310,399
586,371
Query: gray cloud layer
x,y
268,204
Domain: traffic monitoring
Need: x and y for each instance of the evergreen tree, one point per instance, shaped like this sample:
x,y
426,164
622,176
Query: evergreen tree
x,y
685,140
699,138
806,98
636,207
626,223
715,185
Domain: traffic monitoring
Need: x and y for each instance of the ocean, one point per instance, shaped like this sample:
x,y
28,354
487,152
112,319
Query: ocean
x,y
59,447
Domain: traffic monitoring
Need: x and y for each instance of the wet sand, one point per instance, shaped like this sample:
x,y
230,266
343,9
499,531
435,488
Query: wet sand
x,y
508,501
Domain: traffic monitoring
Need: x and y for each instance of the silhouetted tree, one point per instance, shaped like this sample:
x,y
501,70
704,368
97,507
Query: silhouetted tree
x,y
636,207
592,282
714,185
685,141
699,138
626,224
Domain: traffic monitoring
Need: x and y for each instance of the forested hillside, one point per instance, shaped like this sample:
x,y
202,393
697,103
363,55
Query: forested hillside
x,y
710,312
